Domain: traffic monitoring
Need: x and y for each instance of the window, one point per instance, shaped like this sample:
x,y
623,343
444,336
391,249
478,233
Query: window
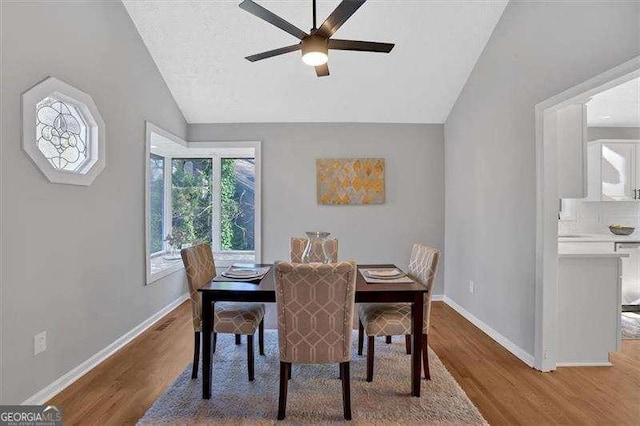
x,y
156,203
237,193
201,192
63,132
191,201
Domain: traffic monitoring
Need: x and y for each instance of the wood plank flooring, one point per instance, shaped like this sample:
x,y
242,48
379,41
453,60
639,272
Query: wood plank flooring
x,y
505,390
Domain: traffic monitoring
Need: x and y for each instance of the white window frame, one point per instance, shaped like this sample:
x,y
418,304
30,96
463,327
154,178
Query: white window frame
x,y
216,151
97,159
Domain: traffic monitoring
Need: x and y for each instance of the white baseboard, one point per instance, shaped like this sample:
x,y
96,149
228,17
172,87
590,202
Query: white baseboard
x,y
520,353
584,364
437,298
60,384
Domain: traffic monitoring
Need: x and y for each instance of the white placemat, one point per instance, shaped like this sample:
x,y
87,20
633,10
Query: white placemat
x,y
402,280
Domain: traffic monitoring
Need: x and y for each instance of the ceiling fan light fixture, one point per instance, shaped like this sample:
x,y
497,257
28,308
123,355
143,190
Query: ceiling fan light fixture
x,y
315,58
315,50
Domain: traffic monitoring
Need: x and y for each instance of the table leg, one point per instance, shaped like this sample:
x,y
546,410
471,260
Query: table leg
x,y
207,327
417,308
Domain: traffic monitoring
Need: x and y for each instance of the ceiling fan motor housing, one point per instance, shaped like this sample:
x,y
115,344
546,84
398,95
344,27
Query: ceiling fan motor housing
x,y
314,43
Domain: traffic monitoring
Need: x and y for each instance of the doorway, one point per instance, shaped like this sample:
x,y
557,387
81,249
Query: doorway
x,y
547,194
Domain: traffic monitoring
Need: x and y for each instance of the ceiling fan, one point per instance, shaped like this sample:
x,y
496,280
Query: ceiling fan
x,y
315,45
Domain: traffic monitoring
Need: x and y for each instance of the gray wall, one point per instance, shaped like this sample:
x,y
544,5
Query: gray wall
x,y
73,257
536,51
414,208
595,133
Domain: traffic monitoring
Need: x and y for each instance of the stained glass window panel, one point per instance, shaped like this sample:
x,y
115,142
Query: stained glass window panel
x,y
61,134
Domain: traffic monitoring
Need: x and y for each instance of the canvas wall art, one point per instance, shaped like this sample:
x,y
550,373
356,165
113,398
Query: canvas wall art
x,y
350,180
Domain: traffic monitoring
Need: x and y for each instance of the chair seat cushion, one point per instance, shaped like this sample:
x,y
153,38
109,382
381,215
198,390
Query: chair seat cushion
x,y
237,318
385,319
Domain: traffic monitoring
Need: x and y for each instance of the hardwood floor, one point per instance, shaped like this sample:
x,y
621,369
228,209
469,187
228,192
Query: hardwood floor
x,y
508,392
505,390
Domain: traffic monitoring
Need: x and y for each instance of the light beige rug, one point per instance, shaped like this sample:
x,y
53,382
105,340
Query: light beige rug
x,y
631,325
315,392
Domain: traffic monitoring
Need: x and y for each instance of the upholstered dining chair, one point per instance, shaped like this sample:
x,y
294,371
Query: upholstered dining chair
x,y
229,317
315,305
299,244
394,319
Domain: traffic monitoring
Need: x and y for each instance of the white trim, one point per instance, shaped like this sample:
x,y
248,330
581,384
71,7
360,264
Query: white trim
x,y
547,206
257,203
63,382
224,144
216,199
97,160
155,276
614,141
151,128
438,298
516,350
584,364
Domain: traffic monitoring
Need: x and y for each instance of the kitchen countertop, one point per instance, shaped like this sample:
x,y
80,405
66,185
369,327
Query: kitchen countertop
x,y
599,238
575,249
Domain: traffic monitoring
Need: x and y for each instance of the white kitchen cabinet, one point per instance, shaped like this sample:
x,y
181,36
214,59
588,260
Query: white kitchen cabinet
x,y
614,170
588,316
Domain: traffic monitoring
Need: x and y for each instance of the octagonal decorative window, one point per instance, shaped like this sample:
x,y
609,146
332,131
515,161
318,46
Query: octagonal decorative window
x,y
63,132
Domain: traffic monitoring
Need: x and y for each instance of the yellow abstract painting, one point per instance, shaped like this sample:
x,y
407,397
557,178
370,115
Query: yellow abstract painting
x,y
350,180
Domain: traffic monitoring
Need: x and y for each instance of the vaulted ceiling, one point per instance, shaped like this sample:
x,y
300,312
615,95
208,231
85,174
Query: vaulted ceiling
x,y
199,47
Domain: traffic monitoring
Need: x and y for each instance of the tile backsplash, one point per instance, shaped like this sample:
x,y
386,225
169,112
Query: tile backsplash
x,y
594,217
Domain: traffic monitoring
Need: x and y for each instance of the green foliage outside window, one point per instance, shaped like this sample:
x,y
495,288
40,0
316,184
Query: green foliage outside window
x,y
237,204
191,200
229,206
156,202
191,203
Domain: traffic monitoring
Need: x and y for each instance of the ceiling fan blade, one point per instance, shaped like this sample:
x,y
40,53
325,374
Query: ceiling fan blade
x,y
272,18
362,46
274,52
322,70
339,17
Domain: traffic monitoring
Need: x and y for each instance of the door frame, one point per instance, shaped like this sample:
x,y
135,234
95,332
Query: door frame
x,y
546,282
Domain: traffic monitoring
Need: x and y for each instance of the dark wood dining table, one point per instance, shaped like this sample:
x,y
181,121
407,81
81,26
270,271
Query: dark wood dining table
x,y
264,291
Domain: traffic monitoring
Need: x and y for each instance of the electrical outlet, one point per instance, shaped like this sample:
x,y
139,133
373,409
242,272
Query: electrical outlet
x,y
472,287
39,343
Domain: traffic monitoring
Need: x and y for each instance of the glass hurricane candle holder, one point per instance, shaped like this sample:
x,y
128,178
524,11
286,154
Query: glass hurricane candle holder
x,y
315,251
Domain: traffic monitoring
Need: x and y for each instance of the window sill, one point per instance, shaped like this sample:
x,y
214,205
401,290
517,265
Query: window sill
x,y
228,258
161,267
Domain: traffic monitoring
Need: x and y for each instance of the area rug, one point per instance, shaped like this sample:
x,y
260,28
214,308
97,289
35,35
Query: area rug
x,y
315,392
631,325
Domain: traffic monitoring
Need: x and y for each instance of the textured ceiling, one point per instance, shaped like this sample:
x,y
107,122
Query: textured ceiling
x,y
200,46
616,107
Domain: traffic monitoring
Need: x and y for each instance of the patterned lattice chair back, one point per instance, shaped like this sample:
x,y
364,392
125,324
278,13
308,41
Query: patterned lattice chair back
x,y
423,267
299,244
315,311
200,268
